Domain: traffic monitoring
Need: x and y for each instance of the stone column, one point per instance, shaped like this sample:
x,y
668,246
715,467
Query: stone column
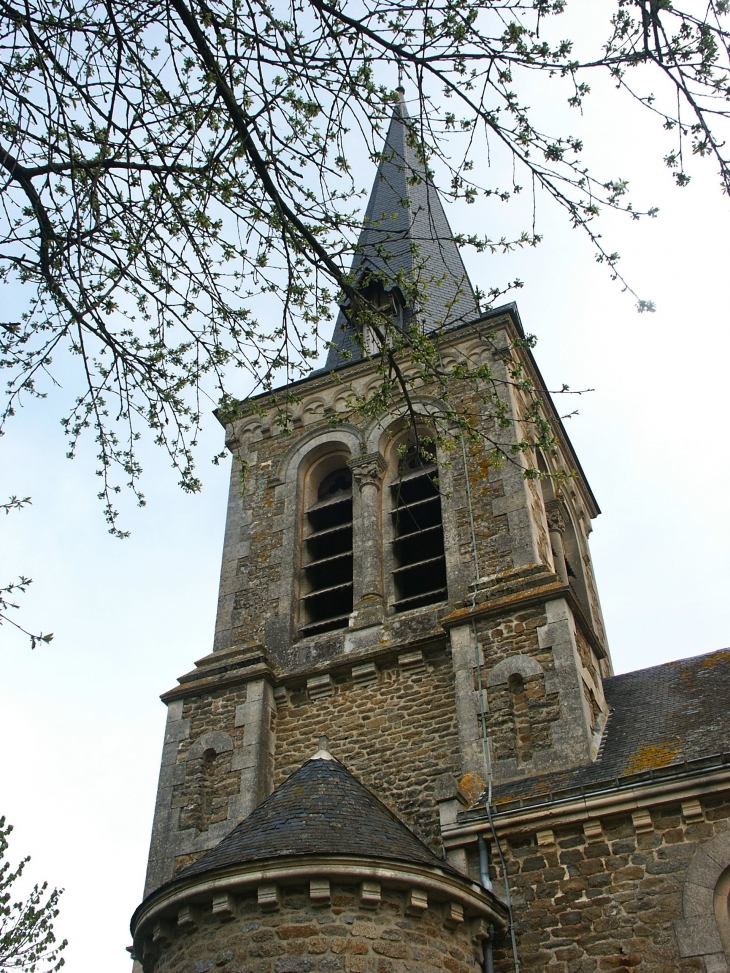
x,y
556,526
367,471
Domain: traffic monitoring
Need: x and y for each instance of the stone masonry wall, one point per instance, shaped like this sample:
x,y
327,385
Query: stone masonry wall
x,y
398,735
302,938
518,722
260,577
209,779
608,901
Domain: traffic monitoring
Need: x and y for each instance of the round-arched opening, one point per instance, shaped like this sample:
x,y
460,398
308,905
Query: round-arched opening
x,y
722,910
419,560
327,561
516,684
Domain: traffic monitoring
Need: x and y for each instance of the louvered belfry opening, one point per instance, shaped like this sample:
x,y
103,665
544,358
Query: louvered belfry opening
x,y
327,570
418,544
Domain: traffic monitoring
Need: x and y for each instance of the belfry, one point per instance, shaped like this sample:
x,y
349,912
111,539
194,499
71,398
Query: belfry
x,y
407,750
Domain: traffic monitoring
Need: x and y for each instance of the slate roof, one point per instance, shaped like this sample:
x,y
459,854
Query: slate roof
x,y
660,719
406,231
321,809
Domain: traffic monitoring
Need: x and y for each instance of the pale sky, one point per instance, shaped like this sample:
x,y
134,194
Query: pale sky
x,y
81,721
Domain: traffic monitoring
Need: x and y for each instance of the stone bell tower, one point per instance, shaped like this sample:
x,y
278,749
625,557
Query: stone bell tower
x,y
367,592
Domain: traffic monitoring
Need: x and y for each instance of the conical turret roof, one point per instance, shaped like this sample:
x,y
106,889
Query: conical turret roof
x,y
406,232
321,809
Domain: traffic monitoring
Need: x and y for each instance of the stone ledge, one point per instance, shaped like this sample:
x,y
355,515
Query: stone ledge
x,y
540,594
459,894
591,805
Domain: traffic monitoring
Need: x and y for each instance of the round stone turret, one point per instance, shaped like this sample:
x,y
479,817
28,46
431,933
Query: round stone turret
x,y
320,877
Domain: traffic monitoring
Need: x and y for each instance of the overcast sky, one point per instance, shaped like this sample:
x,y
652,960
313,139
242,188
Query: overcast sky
x,y
81,721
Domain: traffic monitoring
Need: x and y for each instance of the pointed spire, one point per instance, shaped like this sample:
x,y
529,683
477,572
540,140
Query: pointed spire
x,y
405,232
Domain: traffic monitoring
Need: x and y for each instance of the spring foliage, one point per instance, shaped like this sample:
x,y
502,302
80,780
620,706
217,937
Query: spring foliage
x,y
179,196
27,941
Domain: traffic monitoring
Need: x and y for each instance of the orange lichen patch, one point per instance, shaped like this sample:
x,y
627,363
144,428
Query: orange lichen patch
x,y
689,677
651,756
471,788
716,659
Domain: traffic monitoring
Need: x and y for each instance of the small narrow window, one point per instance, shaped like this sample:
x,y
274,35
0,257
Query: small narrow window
x,y
390,305
418,545
327,570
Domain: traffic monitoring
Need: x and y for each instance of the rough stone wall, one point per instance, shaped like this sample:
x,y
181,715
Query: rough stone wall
x,y
588,658
609,901
302,938
216,767
397,735
520,719
514,635
210,780
258,568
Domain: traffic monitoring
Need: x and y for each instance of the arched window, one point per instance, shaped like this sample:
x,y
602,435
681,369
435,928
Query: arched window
x,y
574,566
326,590
419,573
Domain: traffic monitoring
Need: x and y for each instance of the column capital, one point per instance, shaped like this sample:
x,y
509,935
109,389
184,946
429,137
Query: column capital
x,y
368,468
556,517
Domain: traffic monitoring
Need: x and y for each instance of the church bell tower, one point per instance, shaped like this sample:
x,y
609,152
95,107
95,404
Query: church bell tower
x,y
431,613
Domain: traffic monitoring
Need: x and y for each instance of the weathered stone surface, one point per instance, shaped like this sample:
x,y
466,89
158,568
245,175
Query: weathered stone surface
x,y
302,938
584,905
397,736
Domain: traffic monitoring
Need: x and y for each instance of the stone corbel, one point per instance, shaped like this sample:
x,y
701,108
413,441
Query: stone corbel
x,y
555,516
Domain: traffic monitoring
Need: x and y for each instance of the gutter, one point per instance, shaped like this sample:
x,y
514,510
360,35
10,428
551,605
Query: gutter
x,y
620,798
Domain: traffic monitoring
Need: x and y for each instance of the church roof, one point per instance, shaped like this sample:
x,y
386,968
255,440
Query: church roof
x,y
321,809
662,719
406,232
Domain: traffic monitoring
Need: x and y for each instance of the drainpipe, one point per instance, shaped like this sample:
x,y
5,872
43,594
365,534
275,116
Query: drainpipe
x,y
487,884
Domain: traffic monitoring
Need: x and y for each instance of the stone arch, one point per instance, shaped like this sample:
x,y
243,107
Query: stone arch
x,y
517,665
345,437
207,761
215,740
426,405
310,450
313,409
246,433
704,929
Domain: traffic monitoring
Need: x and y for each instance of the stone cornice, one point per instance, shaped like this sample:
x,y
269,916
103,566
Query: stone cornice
x,y
227,667
549,810
442,886
239,665
231,667
516,601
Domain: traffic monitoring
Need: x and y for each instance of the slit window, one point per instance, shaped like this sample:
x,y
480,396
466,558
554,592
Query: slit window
x,y
327,569
418,536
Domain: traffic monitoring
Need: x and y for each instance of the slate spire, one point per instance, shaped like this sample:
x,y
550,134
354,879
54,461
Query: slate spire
x,y
405,231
